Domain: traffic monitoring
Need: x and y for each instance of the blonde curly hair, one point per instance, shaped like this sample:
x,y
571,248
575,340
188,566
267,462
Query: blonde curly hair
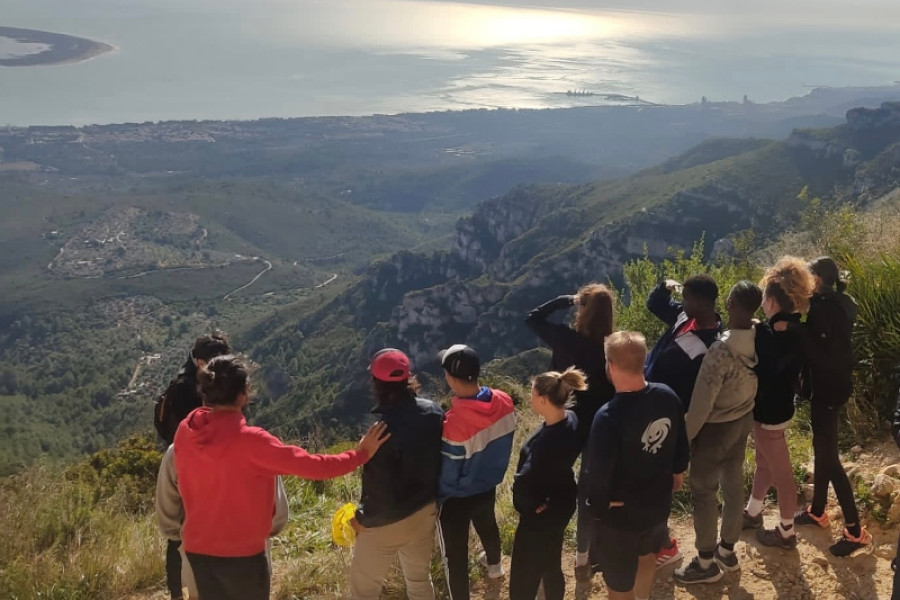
x,y
790,283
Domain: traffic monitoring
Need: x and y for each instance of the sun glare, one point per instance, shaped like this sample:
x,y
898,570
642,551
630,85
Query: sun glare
x,y
402,24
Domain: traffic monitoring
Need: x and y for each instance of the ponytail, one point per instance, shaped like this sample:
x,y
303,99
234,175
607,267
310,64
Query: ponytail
x,y
223,380
559,388
828,272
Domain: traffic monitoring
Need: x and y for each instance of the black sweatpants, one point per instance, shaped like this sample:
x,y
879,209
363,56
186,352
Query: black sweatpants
x,y
537,556
231,578
173,569
827,463
456,514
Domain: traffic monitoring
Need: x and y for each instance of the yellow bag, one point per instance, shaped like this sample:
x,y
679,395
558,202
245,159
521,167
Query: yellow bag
x,y
342,532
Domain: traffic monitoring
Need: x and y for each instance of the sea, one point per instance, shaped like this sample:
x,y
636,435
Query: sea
x,y
247,59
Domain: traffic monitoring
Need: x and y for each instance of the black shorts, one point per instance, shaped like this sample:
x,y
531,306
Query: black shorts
x,y
231,578
615,552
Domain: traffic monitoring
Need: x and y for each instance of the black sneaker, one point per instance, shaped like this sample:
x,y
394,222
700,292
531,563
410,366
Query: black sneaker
x,y
773,538
727,562
694,573
805,517
583,572
849,544
752,522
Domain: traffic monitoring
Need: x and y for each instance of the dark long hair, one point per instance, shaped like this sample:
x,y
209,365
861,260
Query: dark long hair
x,y
828,272
392,393
596,310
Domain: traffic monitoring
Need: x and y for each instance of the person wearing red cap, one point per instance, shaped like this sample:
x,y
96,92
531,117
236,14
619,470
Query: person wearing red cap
x,y
397,511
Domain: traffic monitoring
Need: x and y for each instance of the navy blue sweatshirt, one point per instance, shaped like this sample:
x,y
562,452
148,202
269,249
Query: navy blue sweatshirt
x,y
638,442
780,359
570,348
544,473
676,358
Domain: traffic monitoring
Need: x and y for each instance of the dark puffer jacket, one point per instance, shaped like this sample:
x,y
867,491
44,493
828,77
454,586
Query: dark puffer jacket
x,y
827,351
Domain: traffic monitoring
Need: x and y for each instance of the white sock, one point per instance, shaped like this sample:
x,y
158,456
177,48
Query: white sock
x,y
581,559
754,506
705,563
725,551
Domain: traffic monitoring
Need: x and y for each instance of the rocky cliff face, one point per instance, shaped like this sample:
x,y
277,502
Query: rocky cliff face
x,y
496,222
868,132
489,316
887,117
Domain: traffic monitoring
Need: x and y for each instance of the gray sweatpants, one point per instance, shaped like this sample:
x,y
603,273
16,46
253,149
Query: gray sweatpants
x,y
717,459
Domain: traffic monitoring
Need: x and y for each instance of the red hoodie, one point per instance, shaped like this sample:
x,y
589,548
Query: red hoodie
x,y
226,476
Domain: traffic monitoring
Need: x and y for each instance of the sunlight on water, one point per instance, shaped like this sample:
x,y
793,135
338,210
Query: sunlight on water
x,y
403,24
222,59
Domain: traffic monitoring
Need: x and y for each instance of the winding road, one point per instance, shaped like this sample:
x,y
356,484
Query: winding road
x,y
252,281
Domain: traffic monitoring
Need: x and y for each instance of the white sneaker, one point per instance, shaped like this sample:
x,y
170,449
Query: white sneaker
x,y
493,571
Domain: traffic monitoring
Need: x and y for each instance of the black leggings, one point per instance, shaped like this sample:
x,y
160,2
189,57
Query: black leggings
x,y
827,464
173,569
231,578
537,556
456,513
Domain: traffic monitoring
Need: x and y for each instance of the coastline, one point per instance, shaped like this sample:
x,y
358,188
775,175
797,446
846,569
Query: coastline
x,y
63,48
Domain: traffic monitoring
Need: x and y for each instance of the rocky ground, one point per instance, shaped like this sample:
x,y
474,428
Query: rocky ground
x,y
808,573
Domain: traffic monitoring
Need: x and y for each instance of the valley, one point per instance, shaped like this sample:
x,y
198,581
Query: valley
x,y
315,241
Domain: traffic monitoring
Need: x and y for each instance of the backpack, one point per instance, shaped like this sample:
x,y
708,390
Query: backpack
x,y
173,406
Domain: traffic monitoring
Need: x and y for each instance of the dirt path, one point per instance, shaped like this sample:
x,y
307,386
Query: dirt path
x,y
808,573
327,281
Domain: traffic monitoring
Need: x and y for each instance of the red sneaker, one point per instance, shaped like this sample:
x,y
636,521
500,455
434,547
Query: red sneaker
x,y
667,556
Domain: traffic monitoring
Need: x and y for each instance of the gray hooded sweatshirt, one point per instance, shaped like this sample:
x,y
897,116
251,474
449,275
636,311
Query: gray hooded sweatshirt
x,y
170,509
726,385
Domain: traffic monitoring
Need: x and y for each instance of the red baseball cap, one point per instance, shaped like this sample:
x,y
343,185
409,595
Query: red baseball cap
x,y
390,364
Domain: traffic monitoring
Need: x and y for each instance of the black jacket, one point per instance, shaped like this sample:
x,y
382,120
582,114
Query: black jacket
x,y
780,359
827,351
180,399
544,471
675,360
402,477
573,349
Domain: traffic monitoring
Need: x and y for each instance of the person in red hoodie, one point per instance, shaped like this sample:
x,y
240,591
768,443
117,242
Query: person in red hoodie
x,y
226,474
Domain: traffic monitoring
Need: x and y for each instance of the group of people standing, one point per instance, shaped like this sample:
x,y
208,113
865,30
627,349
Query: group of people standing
x,y
638,420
